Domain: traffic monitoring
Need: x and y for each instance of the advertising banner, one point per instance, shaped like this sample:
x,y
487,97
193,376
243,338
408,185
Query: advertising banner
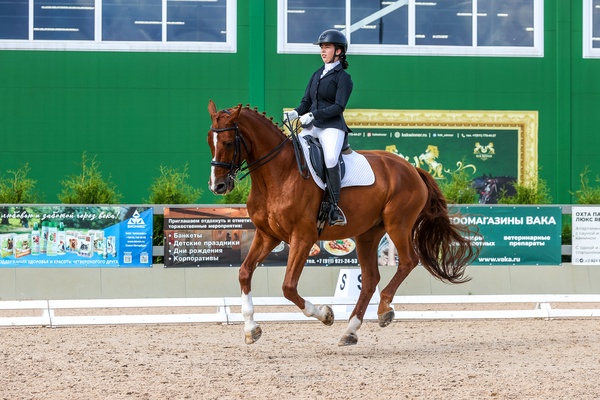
x,y
524,235
75,236
206,236
585,236
214,237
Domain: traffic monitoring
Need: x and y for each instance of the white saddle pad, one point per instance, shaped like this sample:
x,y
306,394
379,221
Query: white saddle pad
x,y
358,169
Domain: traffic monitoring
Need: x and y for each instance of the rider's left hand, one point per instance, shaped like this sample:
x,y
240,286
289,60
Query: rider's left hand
x,y
307,119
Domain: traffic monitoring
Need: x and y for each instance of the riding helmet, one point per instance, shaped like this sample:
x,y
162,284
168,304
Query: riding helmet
x,y
333,36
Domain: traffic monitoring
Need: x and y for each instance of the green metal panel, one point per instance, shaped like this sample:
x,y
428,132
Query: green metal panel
x,y
585,101
256,56
136,111
563,99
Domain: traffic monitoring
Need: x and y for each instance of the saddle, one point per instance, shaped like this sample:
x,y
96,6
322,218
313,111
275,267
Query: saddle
x,y
315,151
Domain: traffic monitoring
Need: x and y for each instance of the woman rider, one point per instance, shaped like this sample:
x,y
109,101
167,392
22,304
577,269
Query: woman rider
x,y
321,110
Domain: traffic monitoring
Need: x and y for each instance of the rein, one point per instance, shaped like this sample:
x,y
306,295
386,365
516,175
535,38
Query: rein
x,y
300,159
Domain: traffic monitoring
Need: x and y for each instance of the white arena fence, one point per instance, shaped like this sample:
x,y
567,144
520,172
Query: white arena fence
x,y
60,313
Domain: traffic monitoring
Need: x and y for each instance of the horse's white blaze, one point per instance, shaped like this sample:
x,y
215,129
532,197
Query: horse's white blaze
x,y
212,168
248,312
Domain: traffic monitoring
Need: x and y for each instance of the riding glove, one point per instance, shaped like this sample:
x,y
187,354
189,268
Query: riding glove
x,y
307,119
292,115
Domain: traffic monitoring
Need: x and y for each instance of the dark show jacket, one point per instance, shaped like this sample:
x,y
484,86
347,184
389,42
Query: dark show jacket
x,y
326,98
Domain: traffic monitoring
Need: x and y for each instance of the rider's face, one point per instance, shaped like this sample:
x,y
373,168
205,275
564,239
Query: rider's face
x,y
328,52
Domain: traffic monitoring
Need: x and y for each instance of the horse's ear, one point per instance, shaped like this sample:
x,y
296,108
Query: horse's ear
x,y
236,113
212,108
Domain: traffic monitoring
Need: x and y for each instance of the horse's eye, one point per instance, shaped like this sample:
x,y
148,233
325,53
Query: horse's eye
x,y
228,144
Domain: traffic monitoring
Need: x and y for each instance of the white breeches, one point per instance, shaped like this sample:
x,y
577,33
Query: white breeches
x,y
331,139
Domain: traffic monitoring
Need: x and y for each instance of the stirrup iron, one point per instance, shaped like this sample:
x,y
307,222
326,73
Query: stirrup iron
x,y
336,216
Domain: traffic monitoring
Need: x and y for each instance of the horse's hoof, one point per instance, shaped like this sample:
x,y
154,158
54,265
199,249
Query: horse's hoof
x,y
329,318
386,318
348,339
253,335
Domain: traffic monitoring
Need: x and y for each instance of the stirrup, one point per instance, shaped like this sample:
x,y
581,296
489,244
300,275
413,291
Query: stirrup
x,y
336,216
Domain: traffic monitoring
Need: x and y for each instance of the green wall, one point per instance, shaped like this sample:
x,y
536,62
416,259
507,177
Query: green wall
x,y
136,111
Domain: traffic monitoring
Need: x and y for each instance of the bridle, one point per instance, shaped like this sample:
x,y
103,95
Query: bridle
x,y
237,164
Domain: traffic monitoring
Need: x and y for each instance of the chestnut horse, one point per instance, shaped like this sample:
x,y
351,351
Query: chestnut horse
x,y
404,201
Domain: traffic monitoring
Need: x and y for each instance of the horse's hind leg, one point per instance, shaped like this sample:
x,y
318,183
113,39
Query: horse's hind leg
x,y
366,250
407,260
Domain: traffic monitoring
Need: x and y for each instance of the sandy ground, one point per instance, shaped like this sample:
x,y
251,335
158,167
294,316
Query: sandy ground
x,y
495,359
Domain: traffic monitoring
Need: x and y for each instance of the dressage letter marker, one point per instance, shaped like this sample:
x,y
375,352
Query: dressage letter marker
x,y
348,286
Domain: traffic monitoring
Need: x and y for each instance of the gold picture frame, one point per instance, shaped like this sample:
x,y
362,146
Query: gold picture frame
x,y
526,122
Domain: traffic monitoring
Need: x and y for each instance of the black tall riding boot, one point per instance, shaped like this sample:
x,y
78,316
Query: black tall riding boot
x,y
334,184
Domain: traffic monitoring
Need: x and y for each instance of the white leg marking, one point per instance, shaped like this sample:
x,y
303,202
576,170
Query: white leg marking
x,y
353,326
248,312
311,311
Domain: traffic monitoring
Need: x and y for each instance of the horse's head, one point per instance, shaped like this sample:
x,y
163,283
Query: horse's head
x,y
433,150
224,140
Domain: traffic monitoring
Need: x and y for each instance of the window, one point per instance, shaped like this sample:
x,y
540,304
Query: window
x,y
441,27
128,25
591,28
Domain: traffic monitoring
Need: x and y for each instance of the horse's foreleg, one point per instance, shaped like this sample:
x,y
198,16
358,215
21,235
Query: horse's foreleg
x,y
260,248
252,331
296,259
366,250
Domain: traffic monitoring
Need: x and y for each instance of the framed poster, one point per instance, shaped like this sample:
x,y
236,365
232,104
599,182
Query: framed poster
x,y
496,147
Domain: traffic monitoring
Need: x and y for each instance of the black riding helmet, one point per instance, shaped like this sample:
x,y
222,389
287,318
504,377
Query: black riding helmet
x,y
333,36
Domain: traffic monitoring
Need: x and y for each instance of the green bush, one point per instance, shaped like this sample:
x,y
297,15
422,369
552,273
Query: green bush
x,y
567,230
239,194
89,187
566,236
17,188
587,194
533,193
457,189
170,187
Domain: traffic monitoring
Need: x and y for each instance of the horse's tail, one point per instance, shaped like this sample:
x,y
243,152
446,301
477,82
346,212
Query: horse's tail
x,y
444,249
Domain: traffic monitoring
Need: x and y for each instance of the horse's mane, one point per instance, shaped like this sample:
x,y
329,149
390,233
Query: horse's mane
x,y
263,114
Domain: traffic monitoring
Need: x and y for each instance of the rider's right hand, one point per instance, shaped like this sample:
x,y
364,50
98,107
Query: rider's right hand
x,y
291,115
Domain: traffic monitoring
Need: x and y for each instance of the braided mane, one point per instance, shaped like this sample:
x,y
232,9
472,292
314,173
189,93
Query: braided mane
x,y
264,115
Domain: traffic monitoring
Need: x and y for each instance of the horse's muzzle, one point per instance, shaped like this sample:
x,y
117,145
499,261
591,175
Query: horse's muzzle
x,y
222,186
